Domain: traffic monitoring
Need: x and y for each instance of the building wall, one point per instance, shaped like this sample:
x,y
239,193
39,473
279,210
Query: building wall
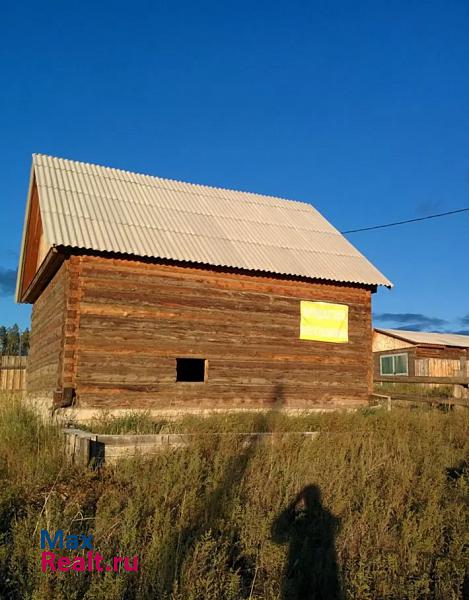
x,y
428,361
409,350
383,342
441,352
127,321
442,362
438,367
44,365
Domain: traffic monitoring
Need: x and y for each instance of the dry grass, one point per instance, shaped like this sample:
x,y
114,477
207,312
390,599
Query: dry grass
x,y
417,389
212,521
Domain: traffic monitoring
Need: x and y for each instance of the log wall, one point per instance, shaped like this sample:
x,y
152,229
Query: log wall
x,y
127,321
44,362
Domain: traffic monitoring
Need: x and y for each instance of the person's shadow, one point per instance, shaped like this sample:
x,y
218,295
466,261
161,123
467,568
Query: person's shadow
x,y
311,570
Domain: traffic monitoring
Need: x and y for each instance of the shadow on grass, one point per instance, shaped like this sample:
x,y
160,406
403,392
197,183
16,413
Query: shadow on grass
x,y
309,529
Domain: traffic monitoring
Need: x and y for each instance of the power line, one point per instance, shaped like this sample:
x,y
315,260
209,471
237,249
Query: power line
x,y
451,212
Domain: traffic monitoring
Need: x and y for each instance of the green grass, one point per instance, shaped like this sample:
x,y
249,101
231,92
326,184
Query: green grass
x,y
211,521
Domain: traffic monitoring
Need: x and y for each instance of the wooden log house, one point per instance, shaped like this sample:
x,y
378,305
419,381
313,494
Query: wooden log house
x,y
151,293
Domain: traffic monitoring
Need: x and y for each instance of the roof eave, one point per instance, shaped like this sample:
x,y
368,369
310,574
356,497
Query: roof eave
x,y
19,277
49,266
416,343
77,250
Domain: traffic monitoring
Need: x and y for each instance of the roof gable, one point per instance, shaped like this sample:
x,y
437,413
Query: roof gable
x,y
89,207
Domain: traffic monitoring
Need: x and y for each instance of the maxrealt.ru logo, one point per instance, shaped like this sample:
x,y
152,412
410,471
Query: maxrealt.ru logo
x,y
90,560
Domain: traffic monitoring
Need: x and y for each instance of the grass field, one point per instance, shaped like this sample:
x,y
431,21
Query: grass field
x,y
374,508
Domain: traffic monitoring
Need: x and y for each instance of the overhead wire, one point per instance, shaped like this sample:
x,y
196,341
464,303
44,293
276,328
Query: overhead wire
x,y
443,214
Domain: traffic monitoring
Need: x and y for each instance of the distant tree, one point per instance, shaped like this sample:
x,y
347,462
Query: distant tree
x,y
13,344
13,341
24,342
3,339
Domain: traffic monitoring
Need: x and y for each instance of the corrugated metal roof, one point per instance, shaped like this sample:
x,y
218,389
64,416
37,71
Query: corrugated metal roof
x,y
103,209
424,337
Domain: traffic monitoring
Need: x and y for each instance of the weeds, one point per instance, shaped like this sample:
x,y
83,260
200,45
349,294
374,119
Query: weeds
x,y
220,520
432,390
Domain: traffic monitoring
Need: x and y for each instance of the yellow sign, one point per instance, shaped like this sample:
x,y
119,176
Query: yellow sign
x,y
324,322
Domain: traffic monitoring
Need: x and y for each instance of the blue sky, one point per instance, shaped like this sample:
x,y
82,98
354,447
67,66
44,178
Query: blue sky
x,y
361,108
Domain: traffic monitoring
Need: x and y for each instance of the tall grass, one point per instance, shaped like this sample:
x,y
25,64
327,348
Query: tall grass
x,y
434,390
135,422
380,511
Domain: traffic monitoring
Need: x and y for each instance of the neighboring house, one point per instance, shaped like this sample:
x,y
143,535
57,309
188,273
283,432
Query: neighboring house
x,y
438,357
152,293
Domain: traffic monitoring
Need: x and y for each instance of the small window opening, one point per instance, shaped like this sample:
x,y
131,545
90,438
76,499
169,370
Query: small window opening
x,y
191,369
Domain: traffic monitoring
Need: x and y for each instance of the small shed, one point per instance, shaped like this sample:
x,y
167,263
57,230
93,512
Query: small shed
x,y
153,293
421,357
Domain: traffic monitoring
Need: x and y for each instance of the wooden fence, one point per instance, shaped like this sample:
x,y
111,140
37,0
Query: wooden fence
x,y
456,380
12,373
459,383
